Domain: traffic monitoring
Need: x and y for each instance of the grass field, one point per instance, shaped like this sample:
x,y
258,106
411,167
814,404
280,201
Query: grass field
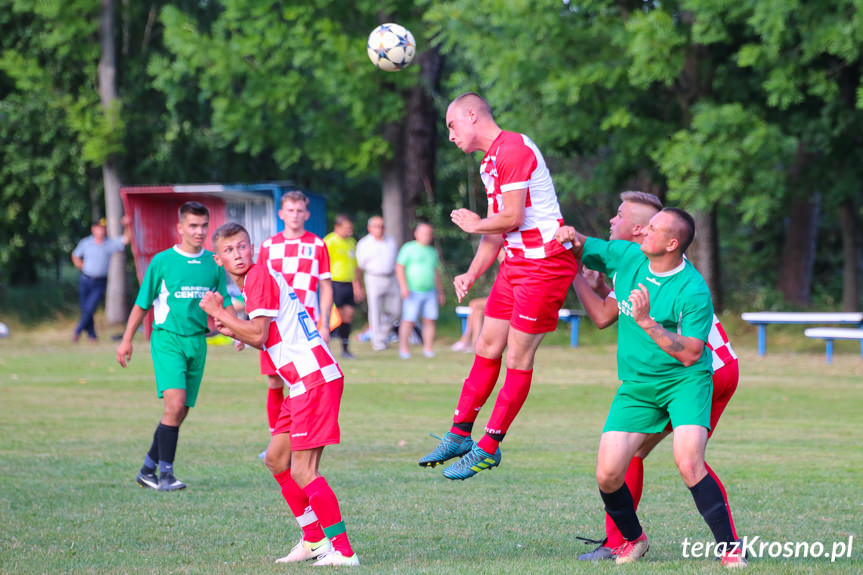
x,y
75,427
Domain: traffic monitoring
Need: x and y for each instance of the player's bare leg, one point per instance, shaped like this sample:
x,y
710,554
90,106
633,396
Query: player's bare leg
x,y
616,449
689,445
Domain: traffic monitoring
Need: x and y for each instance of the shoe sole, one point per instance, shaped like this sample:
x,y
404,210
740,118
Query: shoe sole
x,y
436,462
144,484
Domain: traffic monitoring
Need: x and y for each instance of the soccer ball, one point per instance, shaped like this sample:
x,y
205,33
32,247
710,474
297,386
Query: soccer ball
x,y
391,47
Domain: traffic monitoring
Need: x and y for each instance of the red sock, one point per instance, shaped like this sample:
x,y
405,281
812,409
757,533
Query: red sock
x,y
635,481
512,396
326,507
724,496
477,387
275,398
299,504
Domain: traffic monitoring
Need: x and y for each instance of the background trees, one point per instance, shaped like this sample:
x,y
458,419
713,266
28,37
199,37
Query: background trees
x,y
749,115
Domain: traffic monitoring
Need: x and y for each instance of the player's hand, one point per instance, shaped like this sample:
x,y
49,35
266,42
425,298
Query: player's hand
x,y
462,284
465,219
640,300
211,303
124,353
565,234
222,328
592,277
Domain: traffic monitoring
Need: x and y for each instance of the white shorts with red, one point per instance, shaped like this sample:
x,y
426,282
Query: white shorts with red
x,y
312,418
530,292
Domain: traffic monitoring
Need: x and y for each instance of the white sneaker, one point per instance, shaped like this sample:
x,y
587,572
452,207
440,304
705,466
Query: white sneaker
x,y
336,558
306,550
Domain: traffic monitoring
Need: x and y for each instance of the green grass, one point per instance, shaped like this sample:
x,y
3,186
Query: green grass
x,y
75,427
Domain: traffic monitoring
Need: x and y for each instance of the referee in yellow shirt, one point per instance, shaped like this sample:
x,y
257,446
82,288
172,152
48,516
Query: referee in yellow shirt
x,y
347,280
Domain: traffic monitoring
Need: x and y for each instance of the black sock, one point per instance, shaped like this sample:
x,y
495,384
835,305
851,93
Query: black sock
x,y
621,508
152,459
498,437
168,435
466,426
345,335
711,504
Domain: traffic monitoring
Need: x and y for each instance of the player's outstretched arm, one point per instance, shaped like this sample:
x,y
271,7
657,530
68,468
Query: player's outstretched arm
x,y
686,350
603,311
124,350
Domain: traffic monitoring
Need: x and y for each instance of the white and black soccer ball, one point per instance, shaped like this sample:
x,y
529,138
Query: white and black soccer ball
x,y
391,47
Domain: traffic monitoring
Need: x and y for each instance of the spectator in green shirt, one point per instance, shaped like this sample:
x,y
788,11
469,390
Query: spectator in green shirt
x,y
418,273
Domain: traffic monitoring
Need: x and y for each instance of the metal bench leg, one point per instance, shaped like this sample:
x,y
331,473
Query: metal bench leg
x,y
573,331
762,339
829,350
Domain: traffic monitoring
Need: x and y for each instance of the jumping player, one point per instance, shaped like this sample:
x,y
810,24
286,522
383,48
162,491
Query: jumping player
x,y
309,419
632,217
523,216
665,370
174,282
302,259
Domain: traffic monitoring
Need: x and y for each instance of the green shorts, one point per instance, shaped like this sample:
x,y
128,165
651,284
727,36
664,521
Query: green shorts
x,y
648,407
178,361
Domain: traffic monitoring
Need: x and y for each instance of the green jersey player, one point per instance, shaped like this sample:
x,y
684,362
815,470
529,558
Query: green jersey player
x,y
173,285
665,370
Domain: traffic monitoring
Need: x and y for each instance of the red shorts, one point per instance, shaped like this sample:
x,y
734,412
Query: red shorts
x,y
724,385
312,419
529,293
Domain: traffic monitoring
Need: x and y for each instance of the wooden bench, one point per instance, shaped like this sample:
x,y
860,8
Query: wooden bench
x,y
571,316
828,334
763,318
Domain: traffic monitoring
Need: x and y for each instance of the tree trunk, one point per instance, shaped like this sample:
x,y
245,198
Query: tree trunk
x,y
850,257
393,204
798,253
408,178
115,298
704,253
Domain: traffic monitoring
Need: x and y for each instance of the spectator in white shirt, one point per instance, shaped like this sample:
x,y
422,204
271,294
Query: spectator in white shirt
x,y
376,258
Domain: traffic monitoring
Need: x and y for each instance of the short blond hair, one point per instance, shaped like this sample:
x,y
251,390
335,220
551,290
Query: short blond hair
x,y
295,196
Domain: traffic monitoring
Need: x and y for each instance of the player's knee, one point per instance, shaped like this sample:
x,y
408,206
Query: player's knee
x,y
301,476
691,469
608,480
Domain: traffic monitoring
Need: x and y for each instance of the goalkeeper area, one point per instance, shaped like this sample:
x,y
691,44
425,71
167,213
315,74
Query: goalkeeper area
x,y
787,449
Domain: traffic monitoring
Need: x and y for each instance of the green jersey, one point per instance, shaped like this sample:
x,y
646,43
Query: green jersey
x,y
174,284
420,263
679,301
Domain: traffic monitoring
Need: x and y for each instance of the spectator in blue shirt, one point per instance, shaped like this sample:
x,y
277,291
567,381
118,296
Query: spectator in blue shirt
x,y
92,256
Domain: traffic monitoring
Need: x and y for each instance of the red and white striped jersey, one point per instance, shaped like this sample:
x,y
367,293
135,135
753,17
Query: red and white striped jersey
x,y
293,343
513,162
717,341
302,261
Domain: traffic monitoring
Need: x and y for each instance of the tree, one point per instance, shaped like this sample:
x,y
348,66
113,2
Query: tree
x,y
48,125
